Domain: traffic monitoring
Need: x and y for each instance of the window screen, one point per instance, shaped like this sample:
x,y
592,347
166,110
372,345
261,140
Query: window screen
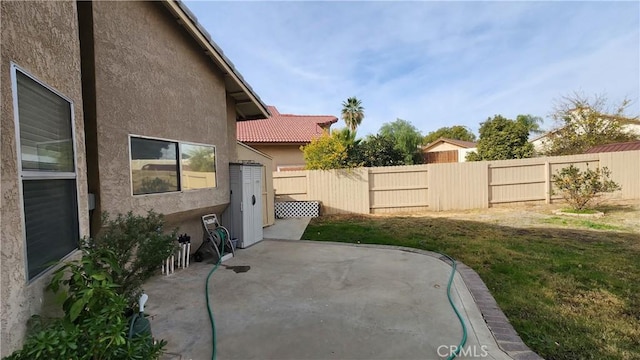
x,y
51,221
48,174
45,128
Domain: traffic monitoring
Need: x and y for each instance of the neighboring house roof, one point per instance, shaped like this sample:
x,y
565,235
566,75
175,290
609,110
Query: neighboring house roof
x,y
248,103
625,146
460,143
284,128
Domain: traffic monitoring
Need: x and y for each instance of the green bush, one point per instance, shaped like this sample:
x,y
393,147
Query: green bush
x,y
581,188
94,325
155,185
139,246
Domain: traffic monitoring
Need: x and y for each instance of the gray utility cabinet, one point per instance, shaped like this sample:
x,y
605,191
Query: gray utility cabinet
x,y
244,214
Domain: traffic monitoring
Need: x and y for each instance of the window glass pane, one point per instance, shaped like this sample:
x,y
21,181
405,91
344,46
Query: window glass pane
x,y
45,128
51,221
198,166
154,166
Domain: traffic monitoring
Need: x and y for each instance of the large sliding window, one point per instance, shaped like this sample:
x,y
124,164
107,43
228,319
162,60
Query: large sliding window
x,y
159,166
45,137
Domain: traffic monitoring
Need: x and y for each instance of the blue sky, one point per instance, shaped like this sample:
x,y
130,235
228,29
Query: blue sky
x,y
432,63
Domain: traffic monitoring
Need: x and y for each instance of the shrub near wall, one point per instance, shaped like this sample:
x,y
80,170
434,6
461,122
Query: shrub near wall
x,y
99,292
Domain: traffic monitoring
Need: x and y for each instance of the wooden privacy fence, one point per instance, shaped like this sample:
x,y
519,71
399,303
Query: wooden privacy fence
x,y
448,186
435,157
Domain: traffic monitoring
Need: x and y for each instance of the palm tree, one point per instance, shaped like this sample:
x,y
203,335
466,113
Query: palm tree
x,y
345,135
352,113
532,123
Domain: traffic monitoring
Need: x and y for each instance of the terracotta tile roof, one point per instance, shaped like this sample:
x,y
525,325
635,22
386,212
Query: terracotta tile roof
x,y
460,143
626,146
283,128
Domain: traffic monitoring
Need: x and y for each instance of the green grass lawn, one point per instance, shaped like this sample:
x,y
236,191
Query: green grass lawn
x,y
571,293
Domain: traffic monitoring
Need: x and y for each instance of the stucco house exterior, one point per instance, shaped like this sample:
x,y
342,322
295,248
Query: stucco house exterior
x,y
105,107
446,150
281,136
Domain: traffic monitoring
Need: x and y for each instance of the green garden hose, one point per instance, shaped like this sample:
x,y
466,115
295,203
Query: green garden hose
x,y
463,340
222,236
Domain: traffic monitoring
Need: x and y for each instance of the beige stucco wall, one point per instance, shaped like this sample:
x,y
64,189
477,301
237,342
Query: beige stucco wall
x,y
462,153
153,80
42,38
632,128
283,155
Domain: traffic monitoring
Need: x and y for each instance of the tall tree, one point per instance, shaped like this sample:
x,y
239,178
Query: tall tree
x,y
456,132
352,113
406,138
378,150
502,139
586,122
532,123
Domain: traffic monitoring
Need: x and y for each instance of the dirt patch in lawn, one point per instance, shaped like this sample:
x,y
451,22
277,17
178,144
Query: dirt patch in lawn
x,y
619,216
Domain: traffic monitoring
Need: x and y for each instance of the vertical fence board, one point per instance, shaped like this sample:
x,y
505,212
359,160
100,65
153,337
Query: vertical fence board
x,y
458,186
625,170
290,185
398,189
340,191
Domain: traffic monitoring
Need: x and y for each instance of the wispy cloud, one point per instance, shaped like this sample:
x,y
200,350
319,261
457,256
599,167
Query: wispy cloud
x,y
432,63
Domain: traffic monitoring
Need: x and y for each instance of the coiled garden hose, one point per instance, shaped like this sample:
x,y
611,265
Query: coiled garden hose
x,y
222,236
463,340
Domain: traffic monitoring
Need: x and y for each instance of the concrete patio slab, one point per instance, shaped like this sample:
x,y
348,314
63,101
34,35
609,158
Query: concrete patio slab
x,y
314,300
287,229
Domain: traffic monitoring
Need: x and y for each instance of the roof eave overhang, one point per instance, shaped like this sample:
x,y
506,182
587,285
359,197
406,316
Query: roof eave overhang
x,y
275,142
328,123
248,103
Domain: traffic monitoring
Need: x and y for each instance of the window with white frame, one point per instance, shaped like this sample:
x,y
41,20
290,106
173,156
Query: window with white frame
x,y
159,166
47,170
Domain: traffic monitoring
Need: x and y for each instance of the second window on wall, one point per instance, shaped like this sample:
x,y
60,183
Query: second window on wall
x,y
159,166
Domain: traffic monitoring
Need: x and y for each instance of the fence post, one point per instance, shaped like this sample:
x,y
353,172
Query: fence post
x,y
368,189
488,177
308,189
547,182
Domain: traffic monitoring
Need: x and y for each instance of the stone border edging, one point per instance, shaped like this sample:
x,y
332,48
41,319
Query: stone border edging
x,y
505,335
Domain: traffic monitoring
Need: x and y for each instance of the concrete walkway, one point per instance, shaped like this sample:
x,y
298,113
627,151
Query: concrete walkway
x,y
287,229
315,300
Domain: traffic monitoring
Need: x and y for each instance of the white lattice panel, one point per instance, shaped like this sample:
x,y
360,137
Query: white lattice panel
x,y
292,209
